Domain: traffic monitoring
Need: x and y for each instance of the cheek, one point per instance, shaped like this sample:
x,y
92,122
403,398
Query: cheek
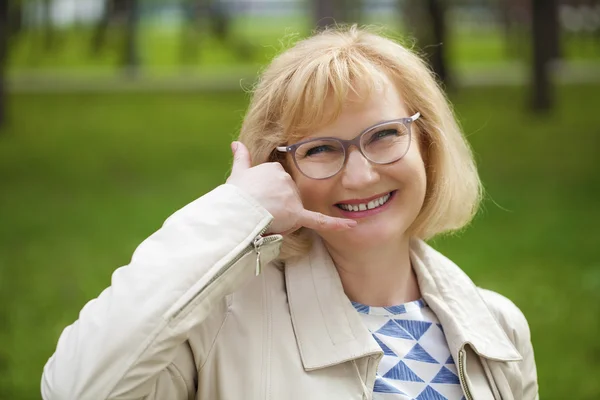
x,y
314,194
415,174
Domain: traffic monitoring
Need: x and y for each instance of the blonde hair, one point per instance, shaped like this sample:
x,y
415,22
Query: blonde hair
x,y
288,102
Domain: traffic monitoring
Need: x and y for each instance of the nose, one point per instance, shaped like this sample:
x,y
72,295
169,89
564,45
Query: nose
x,y
358,171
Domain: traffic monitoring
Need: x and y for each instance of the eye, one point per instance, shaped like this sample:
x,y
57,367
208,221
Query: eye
x,y
389,132
324,148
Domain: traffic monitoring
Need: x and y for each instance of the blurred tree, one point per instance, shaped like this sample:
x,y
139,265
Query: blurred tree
x,y
4,33
426,22
16,17
331,12
124,13
99,36
545,35
216,15
437,51
515,17
131,59
48,26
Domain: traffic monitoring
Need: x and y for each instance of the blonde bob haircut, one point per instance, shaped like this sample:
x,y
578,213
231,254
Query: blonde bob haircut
x,y
288,101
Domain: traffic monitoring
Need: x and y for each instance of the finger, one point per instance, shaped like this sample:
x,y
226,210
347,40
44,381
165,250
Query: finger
x,y
322,222
291,230
241,157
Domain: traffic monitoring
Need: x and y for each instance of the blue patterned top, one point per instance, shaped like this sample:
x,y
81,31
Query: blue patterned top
x,y
416,364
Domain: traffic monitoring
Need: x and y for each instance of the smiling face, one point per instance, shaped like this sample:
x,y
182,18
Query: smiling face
x,y
384,199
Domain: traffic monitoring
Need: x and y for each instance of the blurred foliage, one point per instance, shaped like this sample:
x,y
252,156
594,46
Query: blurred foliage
x,y
254,40
84,178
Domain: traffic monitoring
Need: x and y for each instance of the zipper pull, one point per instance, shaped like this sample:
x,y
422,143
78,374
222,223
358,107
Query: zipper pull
x,y
257,244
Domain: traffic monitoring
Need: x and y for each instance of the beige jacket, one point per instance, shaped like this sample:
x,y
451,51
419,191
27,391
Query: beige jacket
x,y
189,318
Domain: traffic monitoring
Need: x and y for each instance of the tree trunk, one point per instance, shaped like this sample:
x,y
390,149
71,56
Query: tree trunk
x,y
4,32
99,36
332,12
49,39
130,54
425,20
553,29
544,34
438,45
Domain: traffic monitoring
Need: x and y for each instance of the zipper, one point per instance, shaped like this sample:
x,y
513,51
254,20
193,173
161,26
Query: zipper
x,y
461,373
255,245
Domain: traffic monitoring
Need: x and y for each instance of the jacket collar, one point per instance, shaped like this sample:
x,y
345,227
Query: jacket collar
x,y
329,330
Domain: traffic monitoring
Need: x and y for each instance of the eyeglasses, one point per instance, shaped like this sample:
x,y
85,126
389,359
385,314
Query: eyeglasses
x,y
322,158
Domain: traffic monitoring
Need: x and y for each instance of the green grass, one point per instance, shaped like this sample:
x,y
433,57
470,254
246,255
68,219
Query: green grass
x,y
85,178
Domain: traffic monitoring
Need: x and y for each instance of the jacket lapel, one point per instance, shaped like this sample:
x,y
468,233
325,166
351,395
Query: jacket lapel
x,y
329,330
456,301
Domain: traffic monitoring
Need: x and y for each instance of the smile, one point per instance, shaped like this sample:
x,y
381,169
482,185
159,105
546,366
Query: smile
x,y
376,203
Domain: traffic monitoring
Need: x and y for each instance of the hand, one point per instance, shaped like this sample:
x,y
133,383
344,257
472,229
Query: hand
x,y
275,190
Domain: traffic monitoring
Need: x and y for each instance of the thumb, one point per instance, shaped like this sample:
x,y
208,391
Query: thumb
x,y
241,157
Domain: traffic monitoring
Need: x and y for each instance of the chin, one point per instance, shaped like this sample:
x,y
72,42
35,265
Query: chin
x,y
367,236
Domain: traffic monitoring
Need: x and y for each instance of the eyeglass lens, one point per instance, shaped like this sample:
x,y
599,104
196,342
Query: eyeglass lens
x,y
323,158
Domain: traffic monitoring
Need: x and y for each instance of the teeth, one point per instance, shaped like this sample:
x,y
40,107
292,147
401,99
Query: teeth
x,y
366,206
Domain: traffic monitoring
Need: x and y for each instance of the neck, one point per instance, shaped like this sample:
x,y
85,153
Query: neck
x,y
380,276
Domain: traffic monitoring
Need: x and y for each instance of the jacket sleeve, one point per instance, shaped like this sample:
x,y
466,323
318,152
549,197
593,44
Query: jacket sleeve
x,y
520,334
125,341
515,325
527,366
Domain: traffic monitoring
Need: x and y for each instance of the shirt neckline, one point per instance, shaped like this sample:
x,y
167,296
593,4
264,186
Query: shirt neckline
x,y
390,310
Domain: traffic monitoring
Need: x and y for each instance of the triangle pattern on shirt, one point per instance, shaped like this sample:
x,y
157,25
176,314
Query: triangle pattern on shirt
x,y
425,371
446,376
430,394
417,364
382,386
401,309
448,391
361,308
403,373
415,328
386,350
392,329
418,353
412,389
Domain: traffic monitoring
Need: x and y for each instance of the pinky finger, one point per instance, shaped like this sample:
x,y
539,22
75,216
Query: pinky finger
x,y
322,222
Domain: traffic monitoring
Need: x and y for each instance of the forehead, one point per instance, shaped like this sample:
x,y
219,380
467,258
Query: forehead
x,y
367,106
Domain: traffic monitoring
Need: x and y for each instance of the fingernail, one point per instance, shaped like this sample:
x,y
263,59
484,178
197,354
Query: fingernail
x,y
234,146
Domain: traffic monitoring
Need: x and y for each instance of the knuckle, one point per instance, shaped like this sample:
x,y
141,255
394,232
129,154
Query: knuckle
x,y
321,220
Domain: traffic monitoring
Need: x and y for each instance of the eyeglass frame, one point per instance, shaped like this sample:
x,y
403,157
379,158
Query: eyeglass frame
x,y
347,143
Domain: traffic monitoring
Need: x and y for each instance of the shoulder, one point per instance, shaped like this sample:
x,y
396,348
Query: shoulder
x,y
515,325
509,316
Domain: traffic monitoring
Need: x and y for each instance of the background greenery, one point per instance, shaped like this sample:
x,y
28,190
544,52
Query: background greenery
x,y
261,37
85,177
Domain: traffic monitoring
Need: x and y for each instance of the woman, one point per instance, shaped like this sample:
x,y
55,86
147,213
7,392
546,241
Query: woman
x,y
306,276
